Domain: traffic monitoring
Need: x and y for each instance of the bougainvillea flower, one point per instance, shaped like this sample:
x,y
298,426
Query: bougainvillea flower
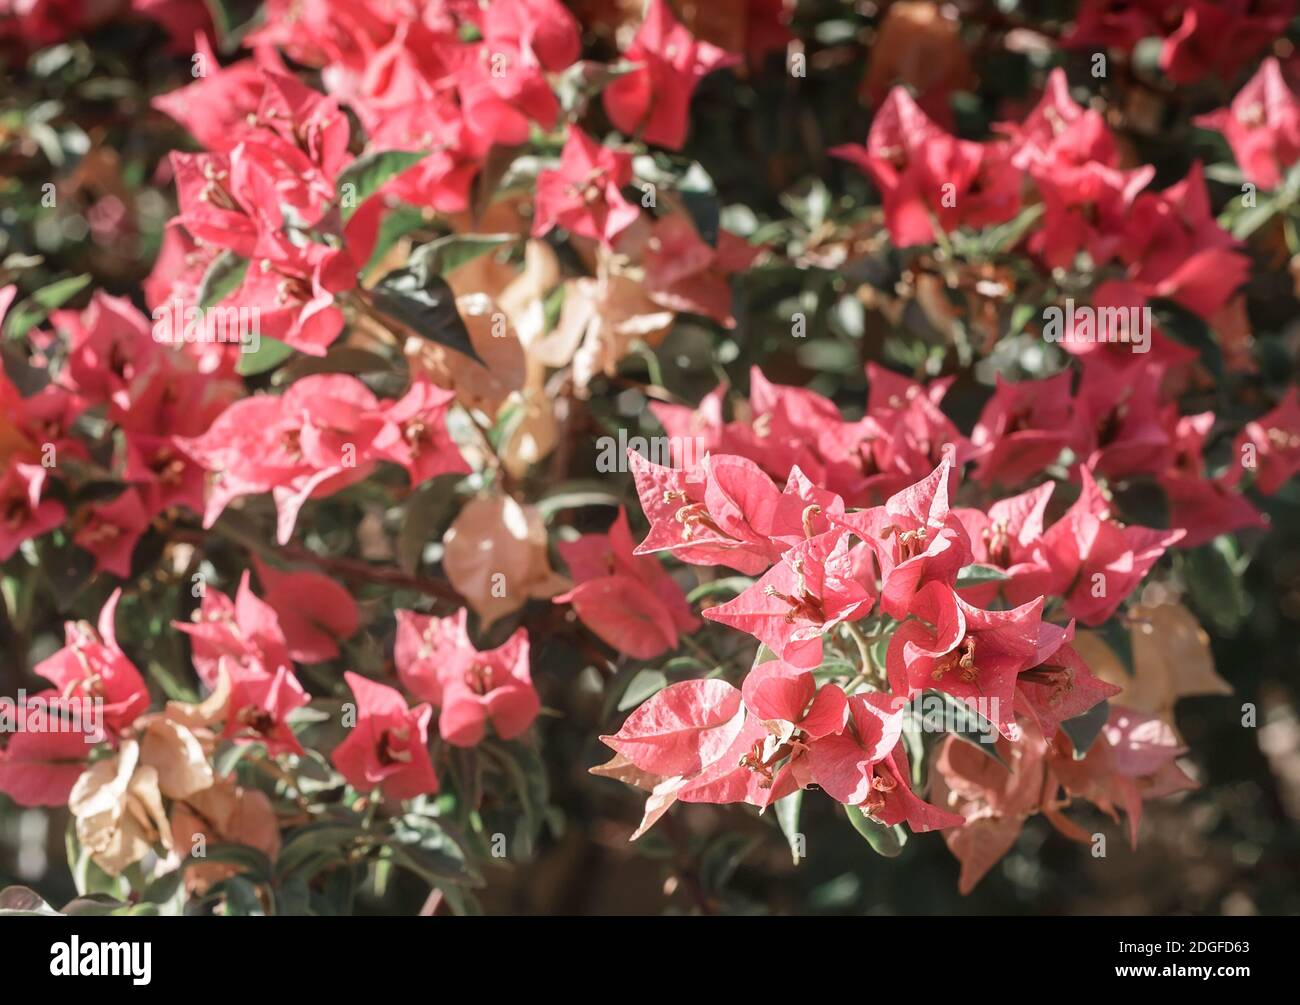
x,y
653,100
995,796
437,662
928,178
1270,446
91,666
681,729
1203,507
684,273
1217,40
1120,426
415,435
680,522
387,748
1008,537
244,634
1262,126
1060,131
316,438
1022,429
314,612
41,761
216,106
1060,686
915,538
24,514
112,530
843,762
583,194
1135,758
970,653
629,601
767,759
110,346
816,585
1097,562
259,707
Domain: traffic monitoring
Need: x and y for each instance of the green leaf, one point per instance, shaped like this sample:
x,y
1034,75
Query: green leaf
x,y
974,575
734,585
251,860
19,900
317,847
367,175
644,685
269,354
222,278
32,311
419,298
446,254
885,841
1213,573
1084,729
787,817
421,845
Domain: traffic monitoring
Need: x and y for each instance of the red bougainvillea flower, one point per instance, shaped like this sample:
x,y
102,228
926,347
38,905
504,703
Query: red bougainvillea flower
x,y
437,662
654,99
684,273
40,763
314,612
1009,537
1177,250
110,346
1096,562
258,709
216,106
629,601
1022,429
1203,507
1120,424
682,729
244,635
843,761
1270,446
767,759
970,653
90,666
816,585
1262,125
583,195
415,433
728,512
994,796
111,531
1217,40
866,766
1060,686
1060,131
928,178
24,514
915,538
1135,758
387,748
324,433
